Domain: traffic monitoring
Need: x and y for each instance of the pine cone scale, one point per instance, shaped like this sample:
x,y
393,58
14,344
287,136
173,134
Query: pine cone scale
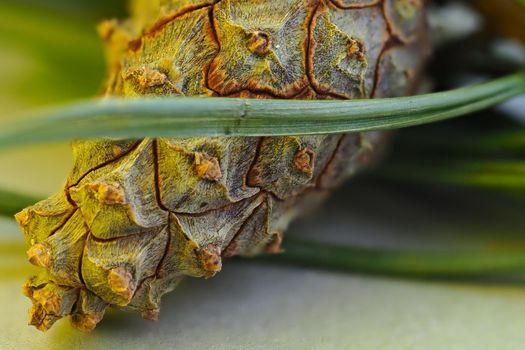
x,y
135,218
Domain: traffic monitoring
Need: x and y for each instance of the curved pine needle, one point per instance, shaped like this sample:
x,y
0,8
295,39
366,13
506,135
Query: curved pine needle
x,y
178,117
356,259
410,263
205,116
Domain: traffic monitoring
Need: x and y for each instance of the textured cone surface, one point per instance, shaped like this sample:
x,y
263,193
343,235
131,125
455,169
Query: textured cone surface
x,y
136,217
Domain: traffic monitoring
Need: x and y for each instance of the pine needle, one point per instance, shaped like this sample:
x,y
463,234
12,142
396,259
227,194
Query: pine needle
x,y
208,116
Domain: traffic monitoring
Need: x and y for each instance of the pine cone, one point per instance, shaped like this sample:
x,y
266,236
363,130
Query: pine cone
x,y
135,217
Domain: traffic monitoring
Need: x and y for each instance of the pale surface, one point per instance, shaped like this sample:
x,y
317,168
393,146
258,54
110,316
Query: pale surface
x,y
252,307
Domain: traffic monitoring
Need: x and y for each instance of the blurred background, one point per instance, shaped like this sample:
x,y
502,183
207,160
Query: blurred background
x,y
457,184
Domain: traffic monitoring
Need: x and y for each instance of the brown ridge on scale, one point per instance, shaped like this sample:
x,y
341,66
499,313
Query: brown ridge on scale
x,y
136,217
355,4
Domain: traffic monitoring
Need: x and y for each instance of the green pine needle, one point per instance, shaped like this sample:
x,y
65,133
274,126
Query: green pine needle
x,y
11,202
506,141
502,174
409,263
186,116
202,116
466,263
